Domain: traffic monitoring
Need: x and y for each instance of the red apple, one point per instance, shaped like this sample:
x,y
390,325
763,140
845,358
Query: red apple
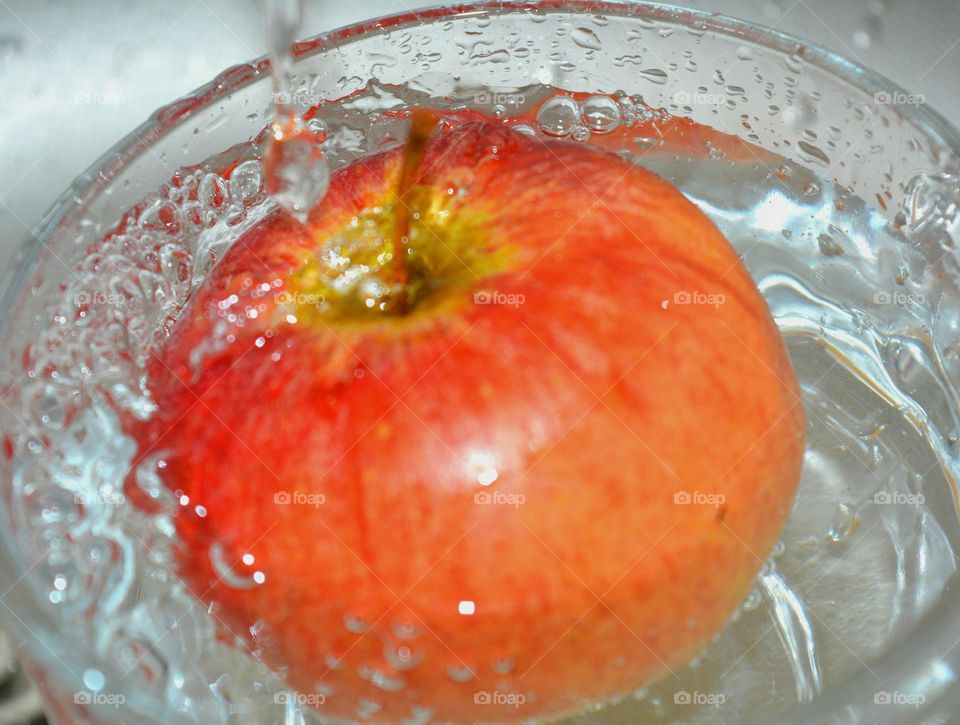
x,y
538,469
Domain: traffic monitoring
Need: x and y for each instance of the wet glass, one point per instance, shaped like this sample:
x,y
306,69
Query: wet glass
x,y
843,207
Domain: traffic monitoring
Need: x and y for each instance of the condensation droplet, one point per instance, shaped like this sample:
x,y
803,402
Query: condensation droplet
x,y
586,38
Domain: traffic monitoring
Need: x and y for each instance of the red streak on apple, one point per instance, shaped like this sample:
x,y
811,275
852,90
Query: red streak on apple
x,y
522,435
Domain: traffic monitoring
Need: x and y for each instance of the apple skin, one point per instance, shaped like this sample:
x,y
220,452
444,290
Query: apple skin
x,y
597,399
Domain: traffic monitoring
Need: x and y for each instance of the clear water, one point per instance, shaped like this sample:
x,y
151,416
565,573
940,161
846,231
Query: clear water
x,y
297,172
872,333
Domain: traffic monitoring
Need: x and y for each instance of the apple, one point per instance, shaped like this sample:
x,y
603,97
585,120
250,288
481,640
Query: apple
x,y
499,442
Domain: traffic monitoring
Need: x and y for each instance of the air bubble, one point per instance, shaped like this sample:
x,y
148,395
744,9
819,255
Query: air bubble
x,y
600,114
558,116
246,182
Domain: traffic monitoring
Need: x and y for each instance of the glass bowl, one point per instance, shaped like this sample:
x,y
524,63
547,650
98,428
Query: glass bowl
x,y
824,136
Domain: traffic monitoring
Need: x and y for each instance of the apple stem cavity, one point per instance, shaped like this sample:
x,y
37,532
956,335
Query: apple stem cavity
x,y
422,126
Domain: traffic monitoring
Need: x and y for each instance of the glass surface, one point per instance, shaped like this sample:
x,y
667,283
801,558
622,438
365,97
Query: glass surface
x,y
843,207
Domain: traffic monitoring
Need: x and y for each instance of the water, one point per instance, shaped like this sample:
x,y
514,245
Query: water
x,y
872,333
297,173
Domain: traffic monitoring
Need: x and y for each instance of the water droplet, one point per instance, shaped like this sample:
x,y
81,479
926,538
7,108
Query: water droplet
x,y
586,38
382,680
93,680
828,246
225,571
845,522
406,630
752,601
460,673
333,662
355,624
655,75
368,708
297,171
601,114
813,154
246,182
403,657
646,143
558,116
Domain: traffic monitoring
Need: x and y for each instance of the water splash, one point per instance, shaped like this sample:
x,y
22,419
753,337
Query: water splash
x,y
297,172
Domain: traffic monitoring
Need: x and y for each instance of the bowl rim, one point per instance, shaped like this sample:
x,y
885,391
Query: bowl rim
x,y
829,707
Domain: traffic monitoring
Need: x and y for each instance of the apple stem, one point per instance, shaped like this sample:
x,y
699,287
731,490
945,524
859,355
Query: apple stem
x,y
421,127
